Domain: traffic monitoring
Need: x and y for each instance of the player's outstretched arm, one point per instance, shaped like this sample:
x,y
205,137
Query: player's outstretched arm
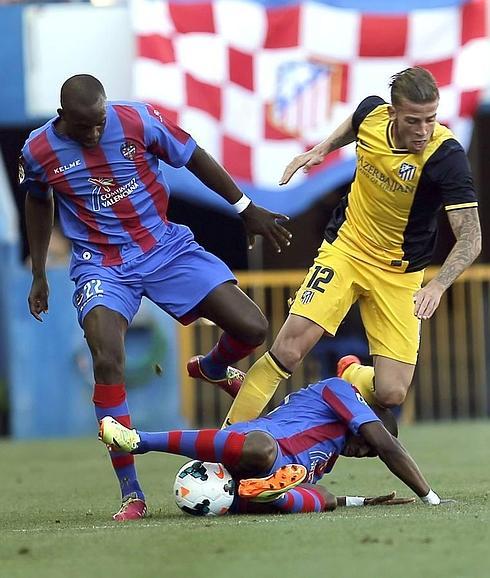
x,y
398,460
257,220
341,136
39,215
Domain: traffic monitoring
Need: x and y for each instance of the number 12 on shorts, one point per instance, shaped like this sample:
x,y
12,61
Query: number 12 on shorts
x,y
320,276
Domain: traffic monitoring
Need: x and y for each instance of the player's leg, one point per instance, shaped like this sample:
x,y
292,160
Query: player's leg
x,y
392,380
104,331
321,303
106,302
303,499
306,498
188,282
384,383
393,333
243,452
295,339
244,328
352,370
251,455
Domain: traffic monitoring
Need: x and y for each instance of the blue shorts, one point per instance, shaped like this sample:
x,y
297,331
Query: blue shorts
x,y
176,274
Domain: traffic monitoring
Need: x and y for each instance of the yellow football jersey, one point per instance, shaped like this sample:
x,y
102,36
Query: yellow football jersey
x,y
389,216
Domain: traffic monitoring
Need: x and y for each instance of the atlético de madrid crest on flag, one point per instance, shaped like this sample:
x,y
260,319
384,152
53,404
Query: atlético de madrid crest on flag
x,y
305,93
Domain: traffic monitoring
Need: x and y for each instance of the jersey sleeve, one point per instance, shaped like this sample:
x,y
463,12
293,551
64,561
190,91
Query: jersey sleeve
x,y
364,108
30,180
450,170
347,403
168,141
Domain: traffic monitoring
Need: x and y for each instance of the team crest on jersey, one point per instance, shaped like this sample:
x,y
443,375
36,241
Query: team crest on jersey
x,y
22,170
158,115
128,150
406,171
307,297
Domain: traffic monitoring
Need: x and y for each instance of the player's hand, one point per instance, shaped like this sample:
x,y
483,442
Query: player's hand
x,y
38,297
427,299
304,160
388,500
260,221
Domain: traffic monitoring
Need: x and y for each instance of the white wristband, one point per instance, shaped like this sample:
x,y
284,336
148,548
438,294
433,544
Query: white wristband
x,y
431,498
354,501
242,203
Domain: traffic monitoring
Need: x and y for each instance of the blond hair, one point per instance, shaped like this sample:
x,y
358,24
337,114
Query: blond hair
x,y
415,85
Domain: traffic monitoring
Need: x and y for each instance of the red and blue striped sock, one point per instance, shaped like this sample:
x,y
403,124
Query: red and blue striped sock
x,y
226,352
300,501
208,445
111,400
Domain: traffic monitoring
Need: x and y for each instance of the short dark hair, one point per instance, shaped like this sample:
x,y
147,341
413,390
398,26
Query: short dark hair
x,y
414,84
81,89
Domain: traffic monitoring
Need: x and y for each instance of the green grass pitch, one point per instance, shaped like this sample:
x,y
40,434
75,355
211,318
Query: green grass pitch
x,y
57,497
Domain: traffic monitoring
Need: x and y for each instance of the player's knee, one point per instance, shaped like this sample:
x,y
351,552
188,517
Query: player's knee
x,y
108,366
287,354
259,452
392,397
256,330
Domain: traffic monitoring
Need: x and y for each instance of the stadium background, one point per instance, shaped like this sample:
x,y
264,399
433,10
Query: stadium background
x,y
41,45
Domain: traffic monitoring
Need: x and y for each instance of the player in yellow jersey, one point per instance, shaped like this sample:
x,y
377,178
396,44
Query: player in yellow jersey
x,y
380,238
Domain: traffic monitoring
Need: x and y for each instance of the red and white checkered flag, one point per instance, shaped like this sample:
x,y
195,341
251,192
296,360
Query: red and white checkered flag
x,y
257,85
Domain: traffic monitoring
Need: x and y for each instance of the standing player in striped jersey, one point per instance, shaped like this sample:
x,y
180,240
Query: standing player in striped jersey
x,y
377,244
279,458
101,159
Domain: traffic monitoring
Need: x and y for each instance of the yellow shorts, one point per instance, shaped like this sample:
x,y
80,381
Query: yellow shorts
x,y
336,281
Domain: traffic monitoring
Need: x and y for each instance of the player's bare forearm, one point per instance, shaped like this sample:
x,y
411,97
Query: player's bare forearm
x,y
213,175
395,456
465,224
400,463
466,228
257,220
39,224
39,216
341,136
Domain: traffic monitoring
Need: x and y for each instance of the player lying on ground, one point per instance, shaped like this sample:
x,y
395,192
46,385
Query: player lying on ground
x,y
296,443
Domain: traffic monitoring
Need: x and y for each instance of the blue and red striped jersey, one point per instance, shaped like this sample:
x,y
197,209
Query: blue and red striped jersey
x,y
112,198
311,425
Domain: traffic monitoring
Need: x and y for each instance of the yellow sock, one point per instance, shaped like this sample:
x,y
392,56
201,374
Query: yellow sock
x,y
362,376
257,389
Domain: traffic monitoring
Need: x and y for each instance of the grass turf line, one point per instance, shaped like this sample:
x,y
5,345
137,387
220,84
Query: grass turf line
x,y
57,497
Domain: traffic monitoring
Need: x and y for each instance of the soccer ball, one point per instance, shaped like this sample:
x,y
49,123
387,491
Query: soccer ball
x,y
204,489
